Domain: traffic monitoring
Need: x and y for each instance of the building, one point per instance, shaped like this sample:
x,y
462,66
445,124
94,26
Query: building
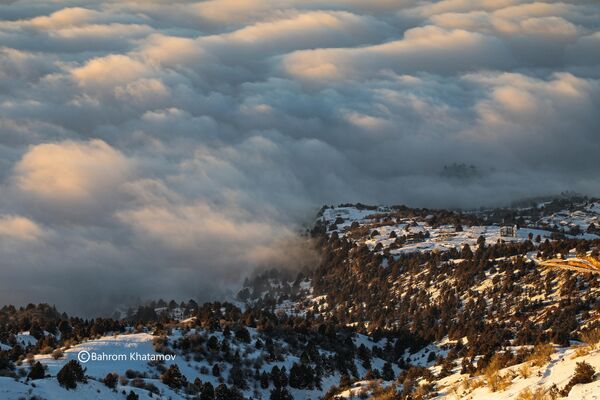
x,y
509,231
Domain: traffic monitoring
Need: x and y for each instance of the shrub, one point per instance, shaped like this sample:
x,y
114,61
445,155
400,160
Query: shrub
x,y
132,396
524,371
385,394
110,380
584,373
498,382
541,354
56,354
495,380
423,391
581,351
539,393
591,337
130,374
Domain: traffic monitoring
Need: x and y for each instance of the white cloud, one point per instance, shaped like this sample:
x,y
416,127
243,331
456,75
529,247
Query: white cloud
x,y
429,49
75,173
18,227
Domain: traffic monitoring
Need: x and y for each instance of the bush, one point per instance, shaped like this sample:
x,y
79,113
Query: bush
x,y
132,396
388,393
56,354
495,380
525,371
110,380
539,393
498,382
130,374
591,337
584,373
541,354
423,391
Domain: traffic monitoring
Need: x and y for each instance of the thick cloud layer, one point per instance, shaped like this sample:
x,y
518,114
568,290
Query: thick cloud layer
x,y
167,148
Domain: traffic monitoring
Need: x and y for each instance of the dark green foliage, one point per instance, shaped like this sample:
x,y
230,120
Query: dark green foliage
x,y
280,394
173,377
37,371
242,334
387,372
237,377
132,396
207,392
302,376
70,374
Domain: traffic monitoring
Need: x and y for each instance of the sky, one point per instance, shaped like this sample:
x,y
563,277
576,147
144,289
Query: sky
x,y
168,148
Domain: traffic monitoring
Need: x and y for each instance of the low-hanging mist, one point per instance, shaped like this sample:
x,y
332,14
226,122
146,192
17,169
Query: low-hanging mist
x,y
168,148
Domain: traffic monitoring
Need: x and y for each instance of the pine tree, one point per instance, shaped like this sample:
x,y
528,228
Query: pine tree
x,y
237,377
264,380
70,374
207,392
388,372
173,377
222,392
280,393
37,371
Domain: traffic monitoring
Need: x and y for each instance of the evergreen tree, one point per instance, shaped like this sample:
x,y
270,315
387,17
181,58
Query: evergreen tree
x,y
37,371
222,392
280,393
70,374
388,372
237,377
173,377
207,392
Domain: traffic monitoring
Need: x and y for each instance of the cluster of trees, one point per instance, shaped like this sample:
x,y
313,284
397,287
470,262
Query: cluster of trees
x,y
360,290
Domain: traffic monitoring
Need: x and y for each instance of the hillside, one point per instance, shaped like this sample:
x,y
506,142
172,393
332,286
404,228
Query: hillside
x,y
405,303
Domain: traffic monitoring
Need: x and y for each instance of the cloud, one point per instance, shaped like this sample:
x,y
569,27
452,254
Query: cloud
x,y
109,71
71,178
178,146
18,227
428,48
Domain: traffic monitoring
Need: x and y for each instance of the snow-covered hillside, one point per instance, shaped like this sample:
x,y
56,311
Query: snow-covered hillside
x,y
387,228
550,377
523,381
128,354
402,304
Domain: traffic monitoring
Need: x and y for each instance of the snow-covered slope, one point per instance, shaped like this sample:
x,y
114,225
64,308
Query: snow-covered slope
x,y
557,373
